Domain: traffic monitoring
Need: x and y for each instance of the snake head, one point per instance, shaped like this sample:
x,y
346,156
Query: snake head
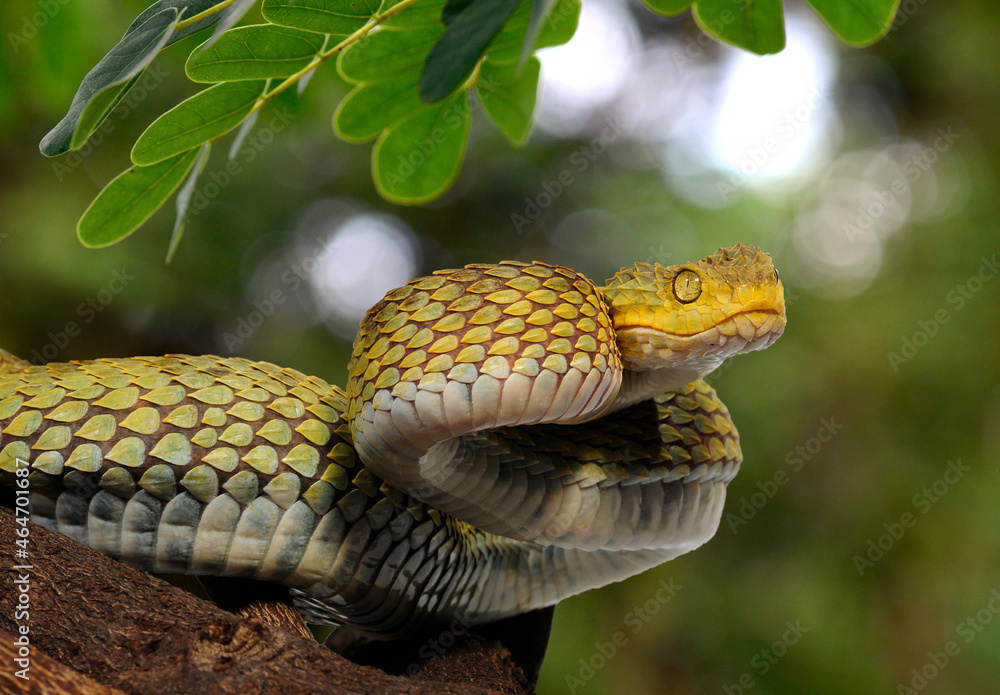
x,y
693,316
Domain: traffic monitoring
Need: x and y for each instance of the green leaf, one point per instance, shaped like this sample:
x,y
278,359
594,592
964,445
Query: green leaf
x,y
561,24
426,14
321,633
185,10
130,199
559,27
207,115
461,46
668,7
337,17
100,107
103,87
453,8
184,199
372,107
857,22
254,52
508,96
756,25
416,160
387,55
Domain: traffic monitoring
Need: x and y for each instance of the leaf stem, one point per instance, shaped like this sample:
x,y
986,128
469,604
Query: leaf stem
x,y
326,55
201,15
474,77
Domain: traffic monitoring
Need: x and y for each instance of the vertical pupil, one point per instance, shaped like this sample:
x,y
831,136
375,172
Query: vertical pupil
x,y
687,286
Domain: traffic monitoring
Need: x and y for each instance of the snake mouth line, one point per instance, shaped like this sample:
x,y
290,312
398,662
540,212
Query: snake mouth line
x,y
731,319
752,325
757,312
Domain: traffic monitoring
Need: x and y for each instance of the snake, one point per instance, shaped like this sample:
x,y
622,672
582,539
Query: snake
x,y
511,434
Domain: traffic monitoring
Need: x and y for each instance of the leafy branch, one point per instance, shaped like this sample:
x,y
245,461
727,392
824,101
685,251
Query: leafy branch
x,y
416,67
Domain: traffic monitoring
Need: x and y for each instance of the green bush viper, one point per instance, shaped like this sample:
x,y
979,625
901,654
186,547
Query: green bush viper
x,y
511,434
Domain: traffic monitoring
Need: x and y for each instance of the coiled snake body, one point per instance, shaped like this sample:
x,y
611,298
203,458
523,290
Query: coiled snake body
x,y
511,435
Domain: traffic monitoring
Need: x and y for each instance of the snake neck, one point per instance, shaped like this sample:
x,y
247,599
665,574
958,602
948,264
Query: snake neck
x,y
641,385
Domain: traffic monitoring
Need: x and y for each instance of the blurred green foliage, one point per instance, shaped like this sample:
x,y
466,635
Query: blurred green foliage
x,y
795,558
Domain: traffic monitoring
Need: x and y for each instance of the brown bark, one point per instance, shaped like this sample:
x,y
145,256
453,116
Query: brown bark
x,y
270,603
43,676
126,629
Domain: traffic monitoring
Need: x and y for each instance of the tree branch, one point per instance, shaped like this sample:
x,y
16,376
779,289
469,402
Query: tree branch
x,y
44,676
129,630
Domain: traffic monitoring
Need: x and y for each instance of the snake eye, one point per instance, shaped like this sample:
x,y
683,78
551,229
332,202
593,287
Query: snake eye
x,y
687,286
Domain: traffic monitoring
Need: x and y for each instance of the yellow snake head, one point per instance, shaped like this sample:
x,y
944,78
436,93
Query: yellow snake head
x,y
694,315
